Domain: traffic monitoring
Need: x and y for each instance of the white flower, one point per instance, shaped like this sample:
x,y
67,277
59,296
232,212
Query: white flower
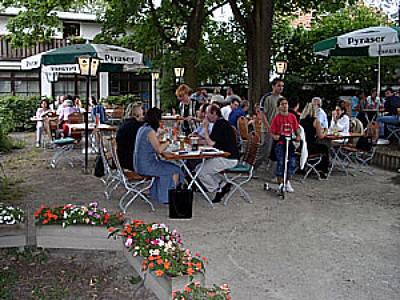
x,y
156,252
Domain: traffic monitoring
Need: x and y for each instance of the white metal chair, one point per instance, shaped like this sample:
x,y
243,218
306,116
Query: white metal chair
x,y
133,183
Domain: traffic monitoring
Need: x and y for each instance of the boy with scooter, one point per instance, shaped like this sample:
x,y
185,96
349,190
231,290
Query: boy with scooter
x,y
284,129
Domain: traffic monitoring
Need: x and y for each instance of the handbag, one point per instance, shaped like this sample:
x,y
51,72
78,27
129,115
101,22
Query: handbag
x,y
180,203
98,167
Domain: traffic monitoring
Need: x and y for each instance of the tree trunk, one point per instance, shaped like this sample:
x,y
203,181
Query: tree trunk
x,y
192,44
258,48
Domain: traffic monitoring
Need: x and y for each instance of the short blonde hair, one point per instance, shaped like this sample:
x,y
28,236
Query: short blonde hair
x,y
132,111
183,90
308,110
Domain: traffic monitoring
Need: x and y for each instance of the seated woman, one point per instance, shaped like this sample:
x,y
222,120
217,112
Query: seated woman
x,y
41,125
147,163
313,132
340,121
126,134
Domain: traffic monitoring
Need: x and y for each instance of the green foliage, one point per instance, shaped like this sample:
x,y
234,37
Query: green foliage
x,y
305,67
15,112
122,99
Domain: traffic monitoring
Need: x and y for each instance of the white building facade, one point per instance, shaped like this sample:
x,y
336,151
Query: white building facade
x,y
77,27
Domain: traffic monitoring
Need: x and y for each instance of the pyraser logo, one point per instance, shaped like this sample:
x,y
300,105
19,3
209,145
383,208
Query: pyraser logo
x,y
365,41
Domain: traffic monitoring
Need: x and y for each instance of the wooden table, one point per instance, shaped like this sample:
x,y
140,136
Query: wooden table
x,y
182,156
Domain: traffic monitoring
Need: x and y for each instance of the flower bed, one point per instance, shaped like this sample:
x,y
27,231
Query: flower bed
x,y
12,227
194,290
159,251
81,227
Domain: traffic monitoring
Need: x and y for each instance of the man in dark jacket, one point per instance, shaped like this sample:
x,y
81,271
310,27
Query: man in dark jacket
x,y
223,138
126,134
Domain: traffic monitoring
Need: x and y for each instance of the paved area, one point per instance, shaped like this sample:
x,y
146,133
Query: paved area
x,y
335,239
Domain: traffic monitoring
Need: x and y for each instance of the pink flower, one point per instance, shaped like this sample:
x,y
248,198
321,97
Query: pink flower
x,y
128,242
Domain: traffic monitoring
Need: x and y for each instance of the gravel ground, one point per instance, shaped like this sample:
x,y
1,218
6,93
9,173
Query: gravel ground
x,y
335,239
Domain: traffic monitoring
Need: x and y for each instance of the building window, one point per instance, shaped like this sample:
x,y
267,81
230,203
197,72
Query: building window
x,y
71,29
70,84
19,83
125,83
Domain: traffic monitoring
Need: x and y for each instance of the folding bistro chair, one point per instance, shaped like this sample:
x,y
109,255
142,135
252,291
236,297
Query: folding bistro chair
x,y
243,130
242,173
65,146
133,183
110,172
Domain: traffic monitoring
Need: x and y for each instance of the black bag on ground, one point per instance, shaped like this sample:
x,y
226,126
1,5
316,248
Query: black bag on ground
x,y
99,167
180,203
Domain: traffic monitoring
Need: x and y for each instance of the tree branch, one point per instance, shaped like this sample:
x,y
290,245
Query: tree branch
x,y
212,9
238,15
160,29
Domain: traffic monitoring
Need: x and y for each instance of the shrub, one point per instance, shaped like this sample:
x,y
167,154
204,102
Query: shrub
x,y
123,100
15,112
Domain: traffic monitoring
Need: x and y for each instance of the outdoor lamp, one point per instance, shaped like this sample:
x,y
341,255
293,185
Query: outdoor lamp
x,y
155,76
281,66
88,66
179,72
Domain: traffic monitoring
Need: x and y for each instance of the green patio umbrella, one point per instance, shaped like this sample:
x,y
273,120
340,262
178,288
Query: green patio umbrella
x,y
65,60
372,41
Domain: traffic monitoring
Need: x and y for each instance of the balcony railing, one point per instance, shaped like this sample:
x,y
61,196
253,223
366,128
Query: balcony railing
x,y
9,53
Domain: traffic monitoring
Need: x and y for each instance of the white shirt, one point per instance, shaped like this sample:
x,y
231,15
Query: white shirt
x,y
226,111
342,125
322,117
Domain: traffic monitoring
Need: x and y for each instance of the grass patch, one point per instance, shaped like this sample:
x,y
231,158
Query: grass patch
x,y
8,279
10,189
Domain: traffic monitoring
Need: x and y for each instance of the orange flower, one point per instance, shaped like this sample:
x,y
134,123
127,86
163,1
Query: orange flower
x,y
198,265
151,257
190,271
166,265
159,273
187,289
151,265
159,261
149,229
45,221
111,229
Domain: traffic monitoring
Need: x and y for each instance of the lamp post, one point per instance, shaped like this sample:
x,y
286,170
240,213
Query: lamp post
x,y
52,77
179,71
88,67
281,67
155,76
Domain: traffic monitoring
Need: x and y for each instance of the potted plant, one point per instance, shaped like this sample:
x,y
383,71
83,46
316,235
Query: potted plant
x,y
158,255
77,227
12,226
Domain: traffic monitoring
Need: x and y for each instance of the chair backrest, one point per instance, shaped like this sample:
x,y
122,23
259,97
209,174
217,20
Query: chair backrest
x,y
253,145
116,161
356,126
258,126
117,113
243,128
99,139
75,118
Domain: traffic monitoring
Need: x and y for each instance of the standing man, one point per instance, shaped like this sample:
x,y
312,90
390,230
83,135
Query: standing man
x,y
268,110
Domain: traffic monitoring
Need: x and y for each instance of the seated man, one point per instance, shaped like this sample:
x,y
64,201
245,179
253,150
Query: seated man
x,y
321,114
223,138
392,104
241,111
126,134
284,124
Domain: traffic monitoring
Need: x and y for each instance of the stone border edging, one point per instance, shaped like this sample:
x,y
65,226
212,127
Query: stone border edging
x,y
386,161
